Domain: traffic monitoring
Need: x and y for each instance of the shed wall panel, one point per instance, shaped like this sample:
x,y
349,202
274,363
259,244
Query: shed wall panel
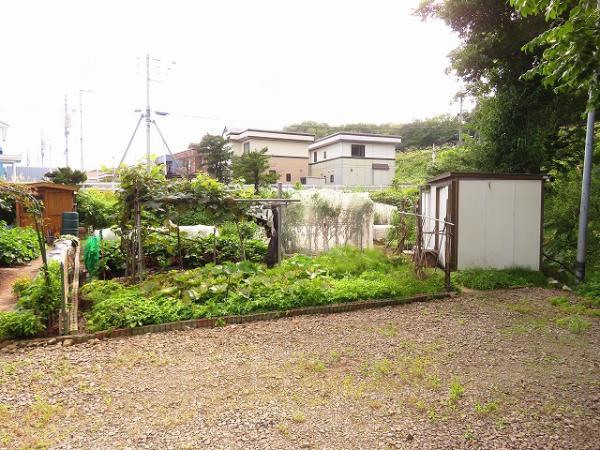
x,y
499,223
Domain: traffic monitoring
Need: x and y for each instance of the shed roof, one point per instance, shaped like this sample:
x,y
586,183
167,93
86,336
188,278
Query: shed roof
x,y
49,185
347,136
486,176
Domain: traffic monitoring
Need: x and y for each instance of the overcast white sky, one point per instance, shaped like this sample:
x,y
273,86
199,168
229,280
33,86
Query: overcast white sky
x,y
239,63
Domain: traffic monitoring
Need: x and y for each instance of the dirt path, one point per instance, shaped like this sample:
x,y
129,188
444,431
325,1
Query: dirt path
x,y
482,371
7,277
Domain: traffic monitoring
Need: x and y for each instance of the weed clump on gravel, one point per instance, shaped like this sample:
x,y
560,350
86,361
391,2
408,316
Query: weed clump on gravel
x,y
489,279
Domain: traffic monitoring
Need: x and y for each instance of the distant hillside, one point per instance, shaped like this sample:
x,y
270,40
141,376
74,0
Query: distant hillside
x,y
439,130
415,166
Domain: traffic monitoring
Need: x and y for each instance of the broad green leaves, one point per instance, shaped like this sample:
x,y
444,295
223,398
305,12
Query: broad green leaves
x,y
570,61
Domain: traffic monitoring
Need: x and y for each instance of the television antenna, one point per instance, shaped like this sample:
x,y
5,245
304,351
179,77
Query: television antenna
x,y
147,116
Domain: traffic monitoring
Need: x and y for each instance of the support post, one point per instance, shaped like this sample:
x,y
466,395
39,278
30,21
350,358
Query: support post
x,y
585,197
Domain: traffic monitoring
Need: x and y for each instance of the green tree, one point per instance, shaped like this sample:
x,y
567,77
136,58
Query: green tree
x,y
66,175
517,121
217,156
438,130
570,61
253,167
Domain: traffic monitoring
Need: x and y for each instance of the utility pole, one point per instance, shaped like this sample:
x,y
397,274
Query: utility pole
x,y
585,197
81,91
460,118
42,147
586,185
148,119
67,128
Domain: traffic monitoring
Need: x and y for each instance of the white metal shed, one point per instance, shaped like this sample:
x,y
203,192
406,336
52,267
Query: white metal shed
x,y
497,219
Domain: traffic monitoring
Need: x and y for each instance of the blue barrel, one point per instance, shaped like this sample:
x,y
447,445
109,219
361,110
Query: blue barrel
x,y
70,223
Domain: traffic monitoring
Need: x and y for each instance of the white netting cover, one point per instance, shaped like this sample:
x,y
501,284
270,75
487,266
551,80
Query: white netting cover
x,y
324,219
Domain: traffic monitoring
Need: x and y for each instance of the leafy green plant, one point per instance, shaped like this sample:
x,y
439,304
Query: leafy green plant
x,y
17,245
129,308
488,279
97,209
40,297
19,324
342,275
455,393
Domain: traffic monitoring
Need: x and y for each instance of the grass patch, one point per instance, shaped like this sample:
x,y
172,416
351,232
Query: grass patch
x,y
486,408
489,279
574,323
585,306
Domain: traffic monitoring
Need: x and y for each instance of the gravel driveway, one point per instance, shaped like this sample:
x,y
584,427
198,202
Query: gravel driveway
x,y
489,370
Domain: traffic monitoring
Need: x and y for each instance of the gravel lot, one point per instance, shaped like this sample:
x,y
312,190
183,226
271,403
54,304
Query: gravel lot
x,y
489,370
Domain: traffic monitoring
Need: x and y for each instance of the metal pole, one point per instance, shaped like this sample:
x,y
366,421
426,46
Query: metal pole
x,y
67,126
81,126
460,120
585,197
131,140
148,111
585,190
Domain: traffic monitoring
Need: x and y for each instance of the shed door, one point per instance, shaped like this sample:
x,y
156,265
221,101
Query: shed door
x,y
441,213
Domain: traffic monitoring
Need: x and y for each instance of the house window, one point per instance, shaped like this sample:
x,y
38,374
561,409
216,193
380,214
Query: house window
x,y
288,177
331,178
314,156
358,151
246,147
324,155
272,172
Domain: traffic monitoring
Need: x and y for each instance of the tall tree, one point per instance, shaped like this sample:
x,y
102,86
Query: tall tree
x,y
217,156
253,166
517,120
66,175
571,58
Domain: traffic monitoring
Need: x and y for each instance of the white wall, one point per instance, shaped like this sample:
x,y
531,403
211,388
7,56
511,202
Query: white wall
x,y
499,223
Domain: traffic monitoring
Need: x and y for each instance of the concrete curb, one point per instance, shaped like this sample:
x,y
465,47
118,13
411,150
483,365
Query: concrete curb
x,y
219,321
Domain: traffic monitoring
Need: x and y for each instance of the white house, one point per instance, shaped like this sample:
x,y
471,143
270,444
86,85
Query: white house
x,y
354,159
5,158
288,151
497,219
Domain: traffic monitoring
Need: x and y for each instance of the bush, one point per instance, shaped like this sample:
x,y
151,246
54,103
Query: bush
x,y
17,245
488,279
37,296
129,308
341,275
97,209
19,325
112,259
98,290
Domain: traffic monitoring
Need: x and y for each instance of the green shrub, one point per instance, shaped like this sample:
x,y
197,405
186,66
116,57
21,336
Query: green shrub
x,y
97,209
487,279
43,299
19,324
129,308
112,259
591,288
17,245
98,290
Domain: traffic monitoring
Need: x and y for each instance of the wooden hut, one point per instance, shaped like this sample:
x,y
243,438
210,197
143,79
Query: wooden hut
x,y
57,198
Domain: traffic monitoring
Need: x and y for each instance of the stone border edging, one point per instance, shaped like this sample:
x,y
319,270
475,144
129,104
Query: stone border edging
x,y
221,321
